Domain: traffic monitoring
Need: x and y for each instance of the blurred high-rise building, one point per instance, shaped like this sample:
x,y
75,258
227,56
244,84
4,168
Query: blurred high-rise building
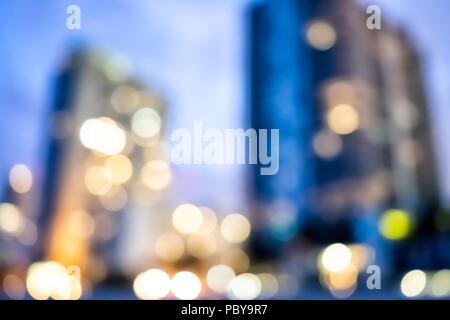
x,y
105,158
352,103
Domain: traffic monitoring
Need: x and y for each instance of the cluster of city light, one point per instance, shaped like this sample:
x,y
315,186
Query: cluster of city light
x,y
110,142
197,231
200,234
417,283
339,265
341,100
52,280
12,220
112,174
221,279
156,284
152,284
107,173
102,135
101,179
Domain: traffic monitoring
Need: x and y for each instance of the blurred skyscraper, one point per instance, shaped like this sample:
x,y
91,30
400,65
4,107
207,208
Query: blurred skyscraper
x,y
97,168
354,126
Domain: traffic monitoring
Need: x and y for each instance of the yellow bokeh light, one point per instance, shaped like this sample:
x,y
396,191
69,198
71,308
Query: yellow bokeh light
x,y
336,257
201,246
20,178
11,220
187,218
245,286
343,119
152,284
395,224
169,247
102,135
186,285
219,278
413,283
156,174
146,123
118,169
51,279
235,228
321,35
97,181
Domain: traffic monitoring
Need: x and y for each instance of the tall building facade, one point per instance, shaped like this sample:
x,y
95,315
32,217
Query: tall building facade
x,y
358,119
106,169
